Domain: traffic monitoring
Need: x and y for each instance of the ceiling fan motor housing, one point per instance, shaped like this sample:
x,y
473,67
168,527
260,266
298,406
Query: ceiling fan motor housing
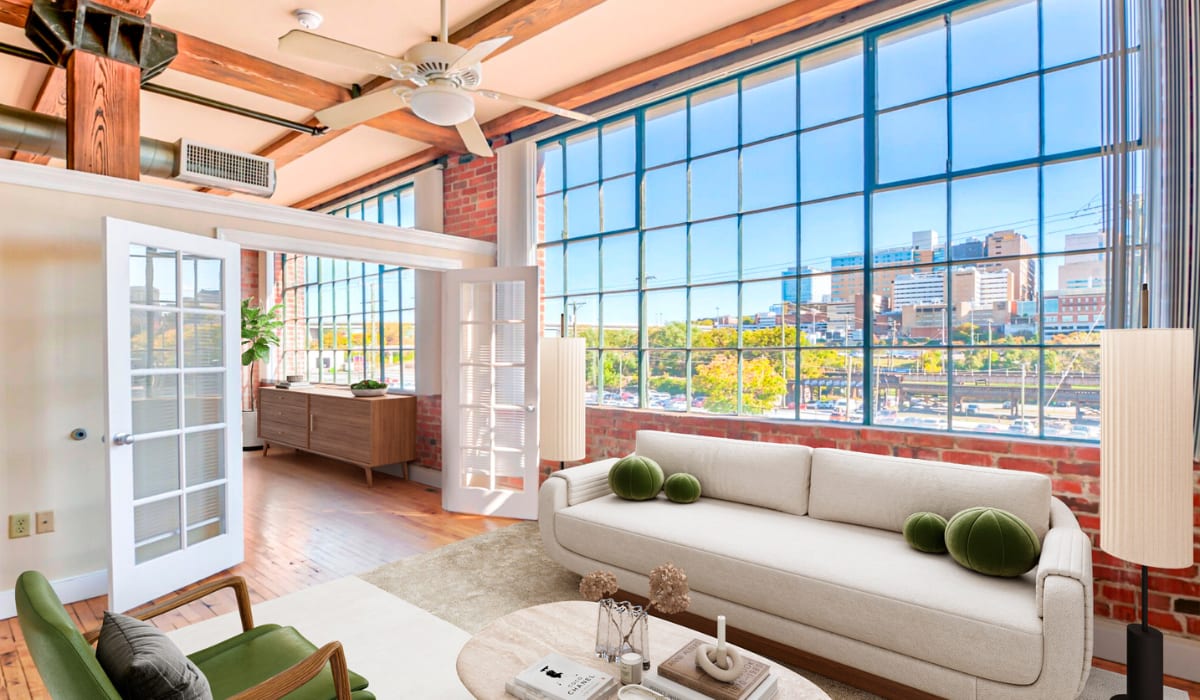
x,y
432,60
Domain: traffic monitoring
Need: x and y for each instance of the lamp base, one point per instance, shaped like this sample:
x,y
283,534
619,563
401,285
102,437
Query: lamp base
x,y
1144,663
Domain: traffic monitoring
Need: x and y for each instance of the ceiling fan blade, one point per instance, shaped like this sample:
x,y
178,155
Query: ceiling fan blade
x,y
534,104
308,45
474,139
362,109
478,52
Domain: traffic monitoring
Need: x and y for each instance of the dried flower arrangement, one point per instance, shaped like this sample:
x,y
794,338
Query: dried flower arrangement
x,y
669,593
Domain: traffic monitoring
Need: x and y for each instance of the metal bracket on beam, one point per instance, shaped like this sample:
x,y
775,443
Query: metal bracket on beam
x,y
58,27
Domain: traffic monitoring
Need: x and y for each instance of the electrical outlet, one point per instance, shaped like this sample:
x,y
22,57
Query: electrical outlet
x,y
43,521
18,526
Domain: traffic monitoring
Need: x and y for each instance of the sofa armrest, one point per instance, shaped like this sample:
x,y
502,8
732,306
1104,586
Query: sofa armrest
x,y
587,481
1066,551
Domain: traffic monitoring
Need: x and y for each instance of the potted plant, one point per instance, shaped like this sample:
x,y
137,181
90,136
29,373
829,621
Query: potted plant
x,y
259,335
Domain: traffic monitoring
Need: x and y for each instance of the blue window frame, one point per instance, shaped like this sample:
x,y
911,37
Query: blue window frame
x,y
344,320
872,231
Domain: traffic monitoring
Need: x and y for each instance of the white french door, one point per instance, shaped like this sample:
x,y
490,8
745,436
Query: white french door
x,y
489,392
173,431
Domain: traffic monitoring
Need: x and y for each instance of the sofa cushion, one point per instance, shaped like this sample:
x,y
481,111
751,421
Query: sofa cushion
x,y
767,474
862,583
992,541
881,492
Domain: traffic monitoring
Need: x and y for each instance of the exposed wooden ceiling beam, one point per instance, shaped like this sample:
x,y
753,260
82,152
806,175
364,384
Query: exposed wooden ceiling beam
x,y
133,7
209,60
520,19
367,179
51,99
768,25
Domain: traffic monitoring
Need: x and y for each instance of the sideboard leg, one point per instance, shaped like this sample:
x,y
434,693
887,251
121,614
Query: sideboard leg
x,y
266,448
370,477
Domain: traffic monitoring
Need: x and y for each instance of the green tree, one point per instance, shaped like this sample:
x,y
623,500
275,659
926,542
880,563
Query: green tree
x,y
762,386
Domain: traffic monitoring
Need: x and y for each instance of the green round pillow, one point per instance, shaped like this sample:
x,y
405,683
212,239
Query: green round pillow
x,y
926,532
682,488
992,541
636,478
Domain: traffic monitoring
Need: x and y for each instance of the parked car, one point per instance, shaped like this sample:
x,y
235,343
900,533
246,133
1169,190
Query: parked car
x,y
1021,425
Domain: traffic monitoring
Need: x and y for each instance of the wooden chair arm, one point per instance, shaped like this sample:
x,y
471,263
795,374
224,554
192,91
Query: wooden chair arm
x,y
237,583
287,681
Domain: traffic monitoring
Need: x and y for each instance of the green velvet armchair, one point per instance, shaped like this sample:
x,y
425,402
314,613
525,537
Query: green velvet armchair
x,y
261,663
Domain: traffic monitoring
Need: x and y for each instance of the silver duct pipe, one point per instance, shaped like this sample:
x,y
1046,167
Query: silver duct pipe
x,y
46,135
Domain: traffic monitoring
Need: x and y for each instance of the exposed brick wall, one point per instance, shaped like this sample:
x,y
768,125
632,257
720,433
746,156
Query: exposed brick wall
x,y
250,280
469,197
429,431
1073,469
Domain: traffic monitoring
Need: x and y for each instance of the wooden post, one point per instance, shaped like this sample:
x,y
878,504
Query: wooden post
x,y
103,116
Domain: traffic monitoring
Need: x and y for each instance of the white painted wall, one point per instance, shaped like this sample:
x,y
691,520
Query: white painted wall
x,y
52,335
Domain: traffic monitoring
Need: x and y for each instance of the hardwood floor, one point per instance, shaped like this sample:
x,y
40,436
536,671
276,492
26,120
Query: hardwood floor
x,y
308,520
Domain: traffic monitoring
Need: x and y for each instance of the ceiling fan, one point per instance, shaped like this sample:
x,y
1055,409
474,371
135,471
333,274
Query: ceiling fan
x,y
445,77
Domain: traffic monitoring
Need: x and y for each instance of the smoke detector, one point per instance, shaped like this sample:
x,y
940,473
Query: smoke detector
x,y
309,19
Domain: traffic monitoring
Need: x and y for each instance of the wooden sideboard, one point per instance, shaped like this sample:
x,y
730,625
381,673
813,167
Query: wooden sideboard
x,y
368,431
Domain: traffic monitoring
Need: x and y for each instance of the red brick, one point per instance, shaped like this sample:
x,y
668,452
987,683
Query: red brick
x,y
1087,454
1078,468
1165,622
876,448
1045,450
1067,486
1025,464
929,440
983,445
977,459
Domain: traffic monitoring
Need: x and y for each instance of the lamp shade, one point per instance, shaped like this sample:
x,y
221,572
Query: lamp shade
x,y
1146,485
562,416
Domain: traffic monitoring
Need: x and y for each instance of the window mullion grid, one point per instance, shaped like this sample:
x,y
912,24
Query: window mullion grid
x,y
797,360
739,344
643,338
870,176
948,304
1041,215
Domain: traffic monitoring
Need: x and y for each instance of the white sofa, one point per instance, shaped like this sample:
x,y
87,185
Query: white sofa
x,y
803,547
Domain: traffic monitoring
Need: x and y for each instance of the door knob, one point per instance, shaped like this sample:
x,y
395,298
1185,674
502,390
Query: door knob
x,y
123,439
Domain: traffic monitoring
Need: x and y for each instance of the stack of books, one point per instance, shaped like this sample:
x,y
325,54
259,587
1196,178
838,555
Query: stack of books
x,y
679,678
555,677
291,385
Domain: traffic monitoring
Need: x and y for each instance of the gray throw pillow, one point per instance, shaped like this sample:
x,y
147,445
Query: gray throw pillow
x,y
142,663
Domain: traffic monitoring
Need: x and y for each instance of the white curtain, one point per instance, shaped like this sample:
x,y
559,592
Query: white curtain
x,y
1152,166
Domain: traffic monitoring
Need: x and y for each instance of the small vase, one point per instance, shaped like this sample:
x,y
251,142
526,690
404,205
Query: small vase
x,y
606,627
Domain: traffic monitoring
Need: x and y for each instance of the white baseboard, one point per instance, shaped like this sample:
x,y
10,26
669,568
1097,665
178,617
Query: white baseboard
x,y
425,476
69,590
416,473
1181,657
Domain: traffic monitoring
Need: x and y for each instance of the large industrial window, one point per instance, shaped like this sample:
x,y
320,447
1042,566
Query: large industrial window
x,y
902,229
345,321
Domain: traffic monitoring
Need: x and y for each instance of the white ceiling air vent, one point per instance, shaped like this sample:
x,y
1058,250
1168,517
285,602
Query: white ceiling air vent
x,y
224,169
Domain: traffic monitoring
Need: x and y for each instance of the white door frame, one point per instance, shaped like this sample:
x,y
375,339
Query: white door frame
x,y
456,496
131,584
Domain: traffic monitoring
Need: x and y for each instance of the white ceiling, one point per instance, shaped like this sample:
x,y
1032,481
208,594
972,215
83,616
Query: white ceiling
x,y
607,36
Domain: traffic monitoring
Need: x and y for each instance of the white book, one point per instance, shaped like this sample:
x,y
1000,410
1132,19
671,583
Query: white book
x,y
555,677
674,691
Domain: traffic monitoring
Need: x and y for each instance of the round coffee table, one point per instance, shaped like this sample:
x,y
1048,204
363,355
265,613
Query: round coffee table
x,y
510,644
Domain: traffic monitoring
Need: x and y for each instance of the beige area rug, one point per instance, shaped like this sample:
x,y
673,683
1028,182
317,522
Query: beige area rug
x,y
472,582
404,651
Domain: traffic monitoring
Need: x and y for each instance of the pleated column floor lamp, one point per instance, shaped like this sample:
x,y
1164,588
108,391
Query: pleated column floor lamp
x,y
563,415
1146,485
